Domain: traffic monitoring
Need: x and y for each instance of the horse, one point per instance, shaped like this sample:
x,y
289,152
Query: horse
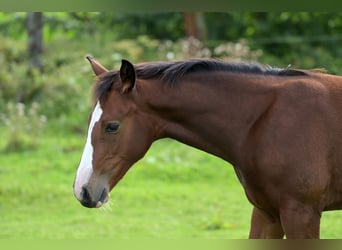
x,y
280,129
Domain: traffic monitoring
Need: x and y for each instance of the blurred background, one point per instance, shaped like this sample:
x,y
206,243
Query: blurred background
x,y
45,89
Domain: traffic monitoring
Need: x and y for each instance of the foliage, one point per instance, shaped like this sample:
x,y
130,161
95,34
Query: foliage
x,y
278,33
158,25
22,126
275,32
13,25
63,88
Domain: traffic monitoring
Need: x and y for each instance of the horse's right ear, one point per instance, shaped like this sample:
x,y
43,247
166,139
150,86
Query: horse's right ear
x,y
96,66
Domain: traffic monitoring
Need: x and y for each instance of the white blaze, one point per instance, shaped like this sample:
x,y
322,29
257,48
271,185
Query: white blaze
x,y
85,169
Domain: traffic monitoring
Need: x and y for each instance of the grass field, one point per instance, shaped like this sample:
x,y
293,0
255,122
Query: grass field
x,y
174,192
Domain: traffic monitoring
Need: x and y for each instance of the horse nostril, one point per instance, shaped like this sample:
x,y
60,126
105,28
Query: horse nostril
x,y
85,193
85,196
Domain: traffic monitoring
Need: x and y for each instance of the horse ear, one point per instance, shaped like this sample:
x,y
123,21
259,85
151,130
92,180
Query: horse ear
x,y
96,66
127,75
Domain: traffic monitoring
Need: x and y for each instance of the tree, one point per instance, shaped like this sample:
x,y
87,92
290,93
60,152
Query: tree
x,y
35,39
195,25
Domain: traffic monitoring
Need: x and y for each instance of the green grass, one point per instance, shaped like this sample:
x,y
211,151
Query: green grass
x,y
174,192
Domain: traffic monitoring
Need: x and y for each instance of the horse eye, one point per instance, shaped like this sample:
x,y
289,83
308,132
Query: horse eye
x,y
112,127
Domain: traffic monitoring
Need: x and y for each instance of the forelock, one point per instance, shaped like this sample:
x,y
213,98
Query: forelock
x,y
104,84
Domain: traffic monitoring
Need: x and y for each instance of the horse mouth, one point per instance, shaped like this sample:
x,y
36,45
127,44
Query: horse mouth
x,y
103,198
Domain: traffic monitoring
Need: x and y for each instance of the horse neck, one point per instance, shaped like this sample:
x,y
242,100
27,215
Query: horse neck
x,y
211,113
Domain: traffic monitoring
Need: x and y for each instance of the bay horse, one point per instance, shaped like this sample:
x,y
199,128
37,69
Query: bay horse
x,y
280,129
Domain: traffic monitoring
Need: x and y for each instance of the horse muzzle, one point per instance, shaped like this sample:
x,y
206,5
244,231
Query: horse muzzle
x,y
93,198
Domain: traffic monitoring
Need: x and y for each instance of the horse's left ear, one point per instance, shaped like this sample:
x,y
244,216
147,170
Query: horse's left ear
x,y
127,75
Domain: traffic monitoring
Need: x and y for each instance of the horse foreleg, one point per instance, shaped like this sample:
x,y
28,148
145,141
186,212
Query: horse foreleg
x,y
300,221
264,226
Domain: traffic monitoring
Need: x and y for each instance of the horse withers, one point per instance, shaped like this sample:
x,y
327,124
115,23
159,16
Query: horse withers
x,y
281,130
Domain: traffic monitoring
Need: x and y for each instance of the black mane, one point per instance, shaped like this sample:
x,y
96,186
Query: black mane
x,y
172,72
